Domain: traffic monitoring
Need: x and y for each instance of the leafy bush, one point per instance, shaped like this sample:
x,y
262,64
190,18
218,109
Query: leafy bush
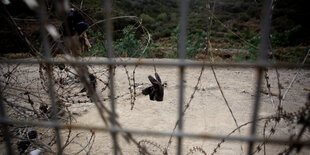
x,y
292,54
153,51
147,19
162,17
128,46
195,42
255,40
253,52
251,56
284,38
97,41
161,33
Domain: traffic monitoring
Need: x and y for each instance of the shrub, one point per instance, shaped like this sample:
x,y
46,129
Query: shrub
x,y
285,38
97,40
147,19
162,17
195,42
244,17
128,45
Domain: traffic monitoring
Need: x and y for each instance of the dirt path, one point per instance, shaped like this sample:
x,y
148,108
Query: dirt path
x,y
207,112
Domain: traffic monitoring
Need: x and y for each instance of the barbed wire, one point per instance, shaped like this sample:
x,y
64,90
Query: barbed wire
x,y
25,93
196,149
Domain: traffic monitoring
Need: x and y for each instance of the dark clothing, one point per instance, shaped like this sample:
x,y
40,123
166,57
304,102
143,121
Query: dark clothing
x,y
156,91
76,24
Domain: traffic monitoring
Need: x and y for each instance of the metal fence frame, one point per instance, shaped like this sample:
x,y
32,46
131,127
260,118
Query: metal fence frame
x,y
181,64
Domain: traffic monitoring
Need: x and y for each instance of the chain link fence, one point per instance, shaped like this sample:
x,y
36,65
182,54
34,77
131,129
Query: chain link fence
x,y
42,103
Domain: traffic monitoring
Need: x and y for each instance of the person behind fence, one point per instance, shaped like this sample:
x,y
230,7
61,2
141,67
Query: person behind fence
x,y
74,32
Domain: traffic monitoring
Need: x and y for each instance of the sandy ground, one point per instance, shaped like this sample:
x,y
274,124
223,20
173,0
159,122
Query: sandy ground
x,y
207,112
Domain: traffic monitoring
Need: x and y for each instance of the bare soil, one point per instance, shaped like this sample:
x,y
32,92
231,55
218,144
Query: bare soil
x,y
207,112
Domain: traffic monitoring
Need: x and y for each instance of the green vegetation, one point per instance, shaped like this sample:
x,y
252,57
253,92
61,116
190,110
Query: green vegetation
x,y
146,19
162,17
195,42
128,46
97,40
131,46
235,25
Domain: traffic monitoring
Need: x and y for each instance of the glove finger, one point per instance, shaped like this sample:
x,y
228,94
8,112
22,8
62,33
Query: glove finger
x,y
153,81
157,77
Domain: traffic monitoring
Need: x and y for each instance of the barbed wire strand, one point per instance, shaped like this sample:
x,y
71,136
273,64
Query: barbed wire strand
x,y
209,45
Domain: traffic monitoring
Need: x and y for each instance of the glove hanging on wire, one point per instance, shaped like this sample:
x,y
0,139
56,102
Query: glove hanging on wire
x,y
156,91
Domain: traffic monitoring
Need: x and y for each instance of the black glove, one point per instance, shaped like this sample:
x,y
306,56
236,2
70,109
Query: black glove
x,y
92,80
156,91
